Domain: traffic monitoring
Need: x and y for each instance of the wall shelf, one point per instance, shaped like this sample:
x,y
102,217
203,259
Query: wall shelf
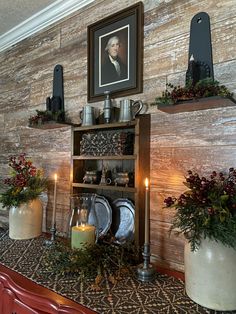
x,y
51,125
199,104
105,187
117,157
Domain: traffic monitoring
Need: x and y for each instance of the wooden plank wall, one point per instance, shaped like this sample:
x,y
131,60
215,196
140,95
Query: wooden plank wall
x,y
203,140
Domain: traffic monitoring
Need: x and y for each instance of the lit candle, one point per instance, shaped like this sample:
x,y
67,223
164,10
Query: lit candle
x,y
54,202
147,214
81,235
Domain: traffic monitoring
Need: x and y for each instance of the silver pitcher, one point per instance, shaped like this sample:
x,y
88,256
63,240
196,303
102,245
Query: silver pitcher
x,y
129,109
87,115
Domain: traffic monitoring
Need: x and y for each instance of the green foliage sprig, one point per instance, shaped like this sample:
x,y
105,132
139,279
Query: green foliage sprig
x,y
25,183
45,116
203,88
101,260
207,209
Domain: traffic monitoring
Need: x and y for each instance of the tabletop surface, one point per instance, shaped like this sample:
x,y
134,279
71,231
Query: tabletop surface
x,y
165,294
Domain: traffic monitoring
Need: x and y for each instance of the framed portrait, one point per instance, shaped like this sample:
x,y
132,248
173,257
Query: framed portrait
x,y
115,54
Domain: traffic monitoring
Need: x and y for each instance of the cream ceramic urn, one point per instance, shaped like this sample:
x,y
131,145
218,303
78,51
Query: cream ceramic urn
x,y
210,275
25,221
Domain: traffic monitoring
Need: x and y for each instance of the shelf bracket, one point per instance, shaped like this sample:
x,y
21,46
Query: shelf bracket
x,y
56,103
200,49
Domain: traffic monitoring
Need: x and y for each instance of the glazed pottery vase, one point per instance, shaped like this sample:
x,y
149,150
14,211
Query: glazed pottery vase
x,y
210,275
25,221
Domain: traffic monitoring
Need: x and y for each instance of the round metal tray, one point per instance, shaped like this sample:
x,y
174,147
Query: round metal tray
x,y
104,215
123,220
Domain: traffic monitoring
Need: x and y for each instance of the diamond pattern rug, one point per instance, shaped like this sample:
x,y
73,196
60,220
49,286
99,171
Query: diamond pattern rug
x,y
164,295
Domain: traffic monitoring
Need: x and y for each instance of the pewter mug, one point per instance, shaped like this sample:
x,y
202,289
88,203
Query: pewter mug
x,y
87,115
129,109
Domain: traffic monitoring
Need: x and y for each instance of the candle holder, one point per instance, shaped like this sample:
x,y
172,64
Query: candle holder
x,y
145,271
53,236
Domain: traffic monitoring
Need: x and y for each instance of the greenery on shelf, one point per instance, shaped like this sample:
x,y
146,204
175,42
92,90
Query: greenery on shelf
x,y
25,183
207,209
203,88
104,259
45,116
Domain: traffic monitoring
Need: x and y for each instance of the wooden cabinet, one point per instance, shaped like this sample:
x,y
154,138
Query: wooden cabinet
x,y
136,163
19,295
9,303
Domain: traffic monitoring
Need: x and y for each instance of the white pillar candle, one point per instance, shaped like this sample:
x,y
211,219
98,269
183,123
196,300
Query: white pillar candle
x,y
147,213
82,235
54,201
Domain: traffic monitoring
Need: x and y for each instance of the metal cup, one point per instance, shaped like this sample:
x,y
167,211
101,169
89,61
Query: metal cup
x,y
129,109
87,115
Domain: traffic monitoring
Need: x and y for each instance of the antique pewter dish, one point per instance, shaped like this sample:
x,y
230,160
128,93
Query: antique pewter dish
x,y
123,220
104,215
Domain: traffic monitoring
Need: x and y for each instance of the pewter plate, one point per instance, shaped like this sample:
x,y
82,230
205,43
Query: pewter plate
x,y
123,220
104,215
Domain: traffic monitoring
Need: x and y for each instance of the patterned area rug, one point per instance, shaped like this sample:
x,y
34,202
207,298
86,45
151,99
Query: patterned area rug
x,y
164,295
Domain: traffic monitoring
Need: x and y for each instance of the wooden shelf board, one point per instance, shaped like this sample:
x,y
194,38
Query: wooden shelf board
x,y
106,126
51,125
105,187
198,104
118,157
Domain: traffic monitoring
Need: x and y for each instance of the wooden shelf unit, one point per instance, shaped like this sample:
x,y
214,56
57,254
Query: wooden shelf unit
x,y
138,163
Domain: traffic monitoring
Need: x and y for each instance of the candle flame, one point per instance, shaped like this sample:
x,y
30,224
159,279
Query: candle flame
x,y
55,177
146,183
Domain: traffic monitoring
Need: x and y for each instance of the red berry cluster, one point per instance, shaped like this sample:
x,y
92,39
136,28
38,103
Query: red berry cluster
x,y
207,193
23,171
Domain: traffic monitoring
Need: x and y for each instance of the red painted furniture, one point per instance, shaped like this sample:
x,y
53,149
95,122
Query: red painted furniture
x,y
19,295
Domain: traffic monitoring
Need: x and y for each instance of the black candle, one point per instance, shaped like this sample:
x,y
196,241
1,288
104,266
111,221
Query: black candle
x,y
192,70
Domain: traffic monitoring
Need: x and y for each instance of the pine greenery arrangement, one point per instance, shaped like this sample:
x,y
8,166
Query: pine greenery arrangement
x,y
25,183
204,88
207,209
103,260
43,117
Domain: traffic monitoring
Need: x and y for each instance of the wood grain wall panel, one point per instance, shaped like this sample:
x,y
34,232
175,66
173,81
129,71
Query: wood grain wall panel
x,y
13,100
10,145
75,28
167,247
163,21
168,165
40,89
161,57
223,35
38,140
157,210
203,140
198,128
33,47
153,87
78,57
225,73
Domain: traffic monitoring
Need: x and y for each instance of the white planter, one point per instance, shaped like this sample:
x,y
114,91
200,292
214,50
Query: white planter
x,y
210,275
25,221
